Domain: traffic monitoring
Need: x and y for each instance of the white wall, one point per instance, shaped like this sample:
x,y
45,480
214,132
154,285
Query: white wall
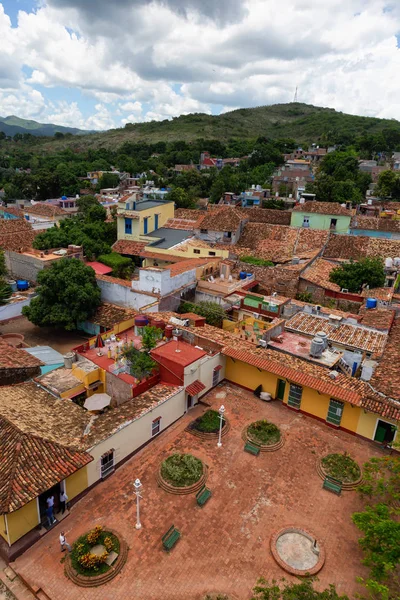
x,y
203,369
136,433
123,295
9,311
159,281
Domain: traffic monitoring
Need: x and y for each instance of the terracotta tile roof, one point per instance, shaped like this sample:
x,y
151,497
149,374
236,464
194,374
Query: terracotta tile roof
x,y
13,209
375,223
385,294
297,371
16,358
191,214
30,465
323,208
227,218
176,223
378,318
108,315
189,264
386,378
195,388
344,334
44,210
114,420
16,234
116,280
128,247
384,407
266,215
160,256
318,274
358,246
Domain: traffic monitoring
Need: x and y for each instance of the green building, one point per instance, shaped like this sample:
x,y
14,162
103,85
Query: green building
x,y
322,215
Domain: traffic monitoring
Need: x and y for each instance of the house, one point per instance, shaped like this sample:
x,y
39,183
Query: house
x,y
224,225
43,215
322,215
27,264
16,364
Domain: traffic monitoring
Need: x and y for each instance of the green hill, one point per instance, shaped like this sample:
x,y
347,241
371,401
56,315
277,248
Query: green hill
x,y
302,122
12,125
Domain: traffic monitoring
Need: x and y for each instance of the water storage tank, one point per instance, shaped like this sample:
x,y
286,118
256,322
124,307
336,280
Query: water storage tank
x,y
324,337
249,274
388,262
141,321
242,274
13,284
168,331
69,358
22,284
317,347
371,303
159,323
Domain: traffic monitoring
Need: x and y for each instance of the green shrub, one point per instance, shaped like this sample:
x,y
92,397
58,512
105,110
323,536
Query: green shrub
x,y
342,467
209,422
181,470
121,265
264,433
258,262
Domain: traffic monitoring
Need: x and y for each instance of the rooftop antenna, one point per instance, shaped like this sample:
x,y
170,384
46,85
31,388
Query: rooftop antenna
x,y
295,95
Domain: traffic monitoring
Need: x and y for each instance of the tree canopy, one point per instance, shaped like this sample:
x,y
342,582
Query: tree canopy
x,y
213,312
353,275
303,590
66,295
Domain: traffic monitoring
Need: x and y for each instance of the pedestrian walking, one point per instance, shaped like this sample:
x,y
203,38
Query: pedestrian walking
x,y
50,510
63,543
63,502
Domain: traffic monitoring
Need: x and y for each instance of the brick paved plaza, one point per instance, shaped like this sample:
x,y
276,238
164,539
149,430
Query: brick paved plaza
x,y
225,545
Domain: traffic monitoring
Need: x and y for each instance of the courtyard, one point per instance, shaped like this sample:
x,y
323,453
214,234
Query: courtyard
x,y
224,546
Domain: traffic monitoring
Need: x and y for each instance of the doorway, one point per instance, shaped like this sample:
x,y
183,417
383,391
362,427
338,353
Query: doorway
x,y
189,402
280,394
54,491
384,432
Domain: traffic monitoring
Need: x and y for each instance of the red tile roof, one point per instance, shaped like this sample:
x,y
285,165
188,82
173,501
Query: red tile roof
x,y
195,388
115,280
188,265
227,218
128,247
178,352
323,208
318,274
184,224
16,358
44,210
386,378
16,234
30,465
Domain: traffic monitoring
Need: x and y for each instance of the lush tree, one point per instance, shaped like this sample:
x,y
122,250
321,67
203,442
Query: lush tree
x,y
353,275
96,213
121,266
181,198
5,291
381,480
218,189
66,295
85,202
303,590
109,180
150,336
388,184
140,363
213,312
381,541
3,268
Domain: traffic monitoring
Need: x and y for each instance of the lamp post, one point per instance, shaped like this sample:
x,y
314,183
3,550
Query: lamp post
x,y
221,418
138,486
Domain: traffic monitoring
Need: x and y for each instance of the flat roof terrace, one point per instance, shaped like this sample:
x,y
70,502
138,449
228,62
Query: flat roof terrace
x,y
168,237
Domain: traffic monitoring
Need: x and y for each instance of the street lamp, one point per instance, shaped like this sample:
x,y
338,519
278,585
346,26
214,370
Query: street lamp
x,y
138,486
221,418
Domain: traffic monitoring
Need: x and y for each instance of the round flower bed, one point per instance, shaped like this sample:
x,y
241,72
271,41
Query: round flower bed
x,y
96,557
342,467
182,474
207,426
264,434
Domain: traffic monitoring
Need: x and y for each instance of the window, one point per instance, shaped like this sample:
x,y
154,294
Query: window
x,y
156,426
128,225
107,463
145,225
335,412
295,393
211,254
228,234
155,221
215,379
196,251
306,221
203,230
333,223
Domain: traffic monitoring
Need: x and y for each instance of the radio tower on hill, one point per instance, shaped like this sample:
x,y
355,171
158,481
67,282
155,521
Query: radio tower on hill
x,y
295,95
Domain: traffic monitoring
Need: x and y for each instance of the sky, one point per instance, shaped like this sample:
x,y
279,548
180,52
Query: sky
x,y
98,64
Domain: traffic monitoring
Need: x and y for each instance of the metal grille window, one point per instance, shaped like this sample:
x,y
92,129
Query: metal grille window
x,y
215,379
107,463
335,412
295,393
156,426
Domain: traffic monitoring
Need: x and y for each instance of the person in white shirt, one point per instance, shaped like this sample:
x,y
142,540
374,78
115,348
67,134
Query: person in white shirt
x,y
63,501
63,543
50,510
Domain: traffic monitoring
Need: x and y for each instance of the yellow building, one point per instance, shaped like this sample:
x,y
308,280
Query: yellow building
x,y
339,400
138,218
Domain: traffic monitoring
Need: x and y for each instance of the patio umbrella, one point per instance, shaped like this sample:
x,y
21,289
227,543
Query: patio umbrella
x,y
97,402
99,342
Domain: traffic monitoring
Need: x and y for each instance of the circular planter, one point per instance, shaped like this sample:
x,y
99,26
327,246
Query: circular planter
x,y
96,580
182,491
263,447
346,486
202,435
294,551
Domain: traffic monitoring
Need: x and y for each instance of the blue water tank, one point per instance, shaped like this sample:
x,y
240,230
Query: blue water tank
x,y
22,285
371,303
242,274
249,274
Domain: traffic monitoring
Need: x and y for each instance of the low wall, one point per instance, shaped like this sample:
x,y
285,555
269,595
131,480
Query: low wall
x,y
10,311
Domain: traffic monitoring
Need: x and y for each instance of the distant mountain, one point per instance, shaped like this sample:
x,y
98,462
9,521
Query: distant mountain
x,y
12,125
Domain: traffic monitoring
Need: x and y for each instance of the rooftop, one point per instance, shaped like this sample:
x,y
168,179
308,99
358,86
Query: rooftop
x,y
323,208
188,265
318,274
378,318
386,378
46,354
99,268
128,247
16,234
107,315
358,246
227,218
146,204
16,358
176,223
357,337
59,380
44,210
178,352
299,345
168,238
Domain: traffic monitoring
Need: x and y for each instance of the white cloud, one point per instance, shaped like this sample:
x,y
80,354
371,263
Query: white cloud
x,y
130,56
